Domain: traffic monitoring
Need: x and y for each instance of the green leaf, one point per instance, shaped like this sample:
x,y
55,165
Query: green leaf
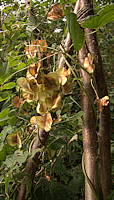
x,y
76,32
106,15
57,143
4,114
103,17
12,61
20,156
36,151
2,99
5,95
17,158
79,114
8,86
2,154
91,22
4,132
7,181
21,66
67,1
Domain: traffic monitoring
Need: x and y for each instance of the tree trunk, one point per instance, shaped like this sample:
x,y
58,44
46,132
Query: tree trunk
x,y
90,144
104,117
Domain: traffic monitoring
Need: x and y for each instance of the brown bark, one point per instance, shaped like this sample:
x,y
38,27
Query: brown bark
x,y
30,168
90,144
104,117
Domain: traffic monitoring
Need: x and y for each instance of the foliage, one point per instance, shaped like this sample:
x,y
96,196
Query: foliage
x,y
103,17
76,32
59,174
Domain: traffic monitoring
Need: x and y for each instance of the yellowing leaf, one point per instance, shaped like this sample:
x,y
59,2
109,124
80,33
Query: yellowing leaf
x,y
51,81
34,120
28,97
48,104
62,80
33,85
29,89
88,63
63,73
56,101
44,121
42,93
41,108
14,140
56,12
24,84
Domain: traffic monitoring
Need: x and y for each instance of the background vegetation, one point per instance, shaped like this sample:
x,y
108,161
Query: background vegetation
x,y
59,174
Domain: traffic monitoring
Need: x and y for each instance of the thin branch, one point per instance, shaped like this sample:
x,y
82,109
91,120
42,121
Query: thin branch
x,y
68,40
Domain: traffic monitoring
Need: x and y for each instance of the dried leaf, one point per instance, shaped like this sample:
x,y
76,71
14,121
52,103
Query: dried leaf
x,y
33,69
88,63
105,100
43,45
74,138
36,46
17,101
40,44
33,85
40,77
47,177
56,12
57,118
102,102
31,51
14,140
67,87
